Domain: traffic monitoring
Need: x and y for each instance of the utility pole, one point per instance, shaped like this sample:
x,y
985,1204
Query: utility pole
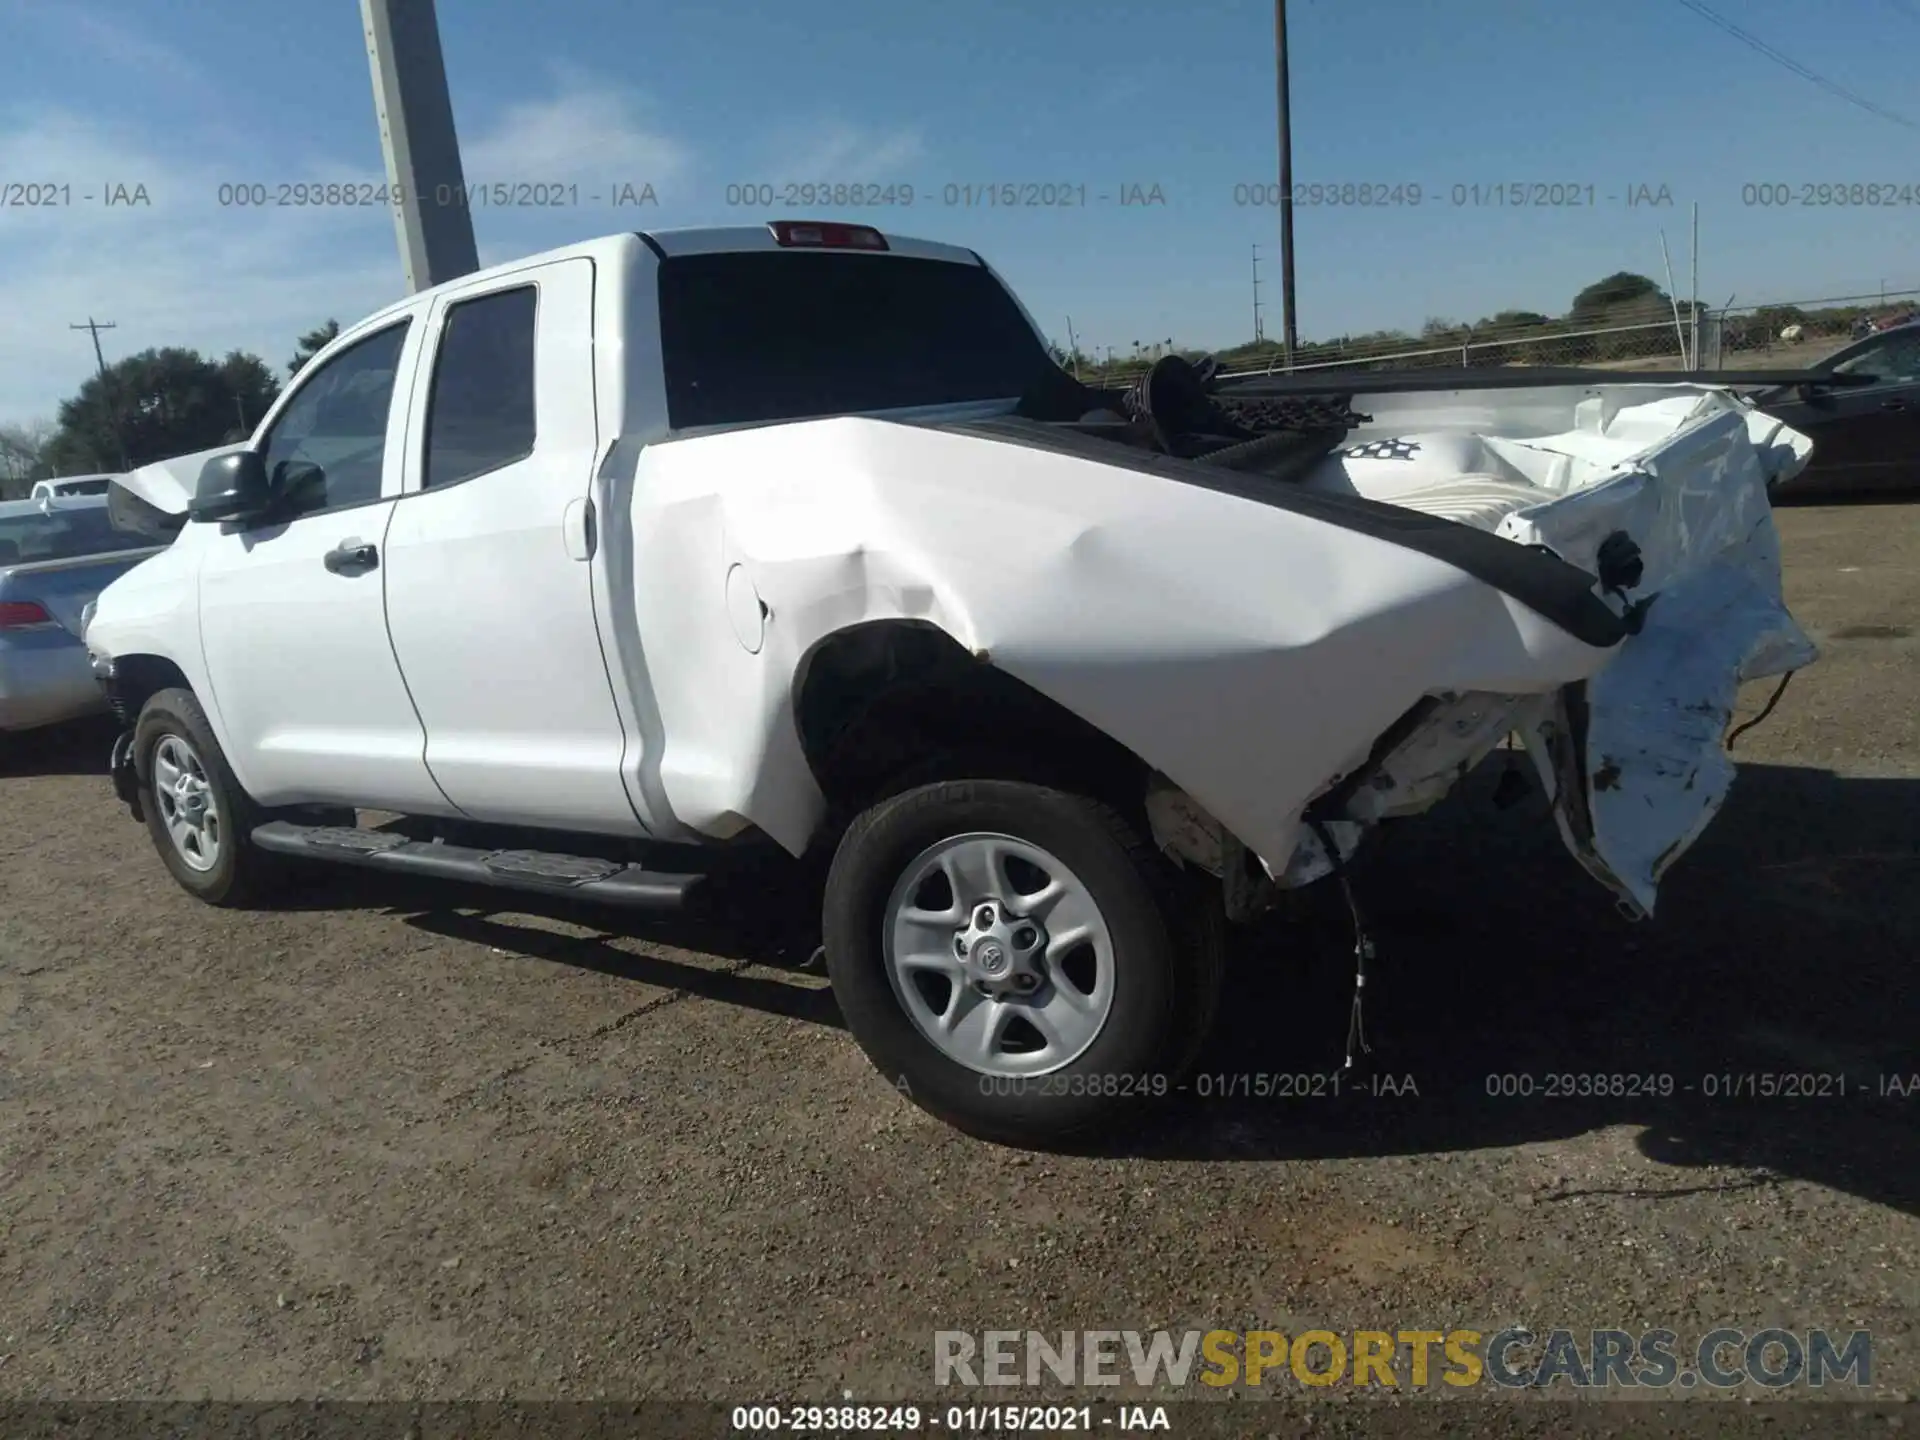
x,y
1290,338
94,327
430,212
1693,293
1258,334
1073,349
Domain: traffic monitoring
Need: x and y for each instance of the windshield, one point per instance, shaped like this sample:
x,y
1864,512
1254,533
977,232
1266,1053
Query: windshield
x,y
62,534
785,335
1895,357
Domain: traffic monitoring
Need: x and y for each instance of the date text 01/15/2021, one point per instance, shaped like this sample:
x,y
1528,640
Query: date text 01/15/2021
x,y
496,194
1715,1085
956,1419
1211,1085
998,195
60,195
1487,195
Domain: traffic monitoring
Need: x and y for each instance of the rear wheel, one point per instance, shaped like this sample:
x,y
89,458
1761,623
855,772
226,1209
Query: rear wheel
x,y
1016,959
197,815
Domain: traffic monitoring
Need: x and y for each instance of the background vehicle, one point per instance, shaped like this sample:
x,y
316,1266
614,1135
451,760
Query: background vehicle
x,y
55,557
602,564
1866,435
70,486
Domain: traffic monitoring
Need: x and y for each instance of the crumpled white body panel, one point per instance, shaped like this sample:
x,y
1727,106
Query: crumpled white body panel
x,y
1684,471
1697,506
1250,653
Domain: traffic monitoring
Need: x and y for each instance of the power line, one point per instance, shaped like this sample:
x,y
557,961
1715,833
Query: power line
x,y
93,327
1830,86
1258,333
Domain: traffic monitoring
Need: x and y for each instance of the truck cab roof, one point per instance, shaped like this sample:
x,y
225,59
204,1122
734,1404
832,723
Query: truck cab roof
x,y
690,240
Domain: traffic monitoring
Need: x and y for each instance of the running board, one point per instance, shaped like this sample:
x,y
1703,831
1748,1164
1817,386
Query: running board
x,y
603,881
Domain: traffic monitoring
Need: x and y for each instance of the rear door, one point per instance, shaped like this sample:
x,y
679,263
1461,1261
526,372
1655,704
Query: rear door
x,y
489,581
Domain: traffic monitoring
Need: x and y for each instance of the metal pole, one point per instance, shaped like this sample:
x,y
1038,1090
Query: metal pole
x,y
94,327
410,98
1256,294
1693,301
1290,339
1073,349
1679,334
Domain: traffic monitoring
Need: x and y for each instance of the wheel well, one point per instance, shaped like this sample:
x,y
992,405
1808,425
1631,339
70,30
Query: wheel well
x,y
137,679
876,699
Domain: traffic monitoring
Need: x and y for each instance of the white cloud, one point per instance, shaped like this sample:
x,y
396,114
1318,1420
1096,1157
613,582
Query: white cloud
x,y
184,269
587,132
836,153
111,44
177,270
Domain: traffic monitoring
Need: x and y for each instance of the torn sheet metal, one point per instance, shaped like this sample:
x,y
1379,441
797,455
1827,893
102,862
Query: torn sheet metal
x,y
1652,754
1248,650
1251,650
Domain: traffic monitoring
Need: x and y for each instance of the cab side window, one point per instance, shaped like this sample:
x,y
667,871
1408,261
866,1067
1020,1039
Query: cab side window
x,y
480,411
328,448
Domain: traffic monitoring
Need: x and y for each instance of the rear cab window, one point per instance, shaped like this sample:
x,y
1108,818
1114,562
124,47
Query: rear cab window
x,y
757,336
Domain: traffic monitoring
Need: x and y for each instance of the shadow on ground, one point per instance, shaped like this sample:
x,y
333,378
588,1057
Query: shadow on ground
x,y
79,747
1786,946
1784,957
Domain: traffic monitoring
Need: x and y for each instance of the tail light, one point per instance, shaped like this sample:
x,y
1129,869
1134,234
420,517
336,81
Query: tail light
x,y
801,234
23,615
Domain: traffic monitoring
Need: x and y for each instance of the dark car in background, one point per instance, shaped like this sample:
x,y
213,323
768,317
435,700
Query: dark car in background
x,y
1866,434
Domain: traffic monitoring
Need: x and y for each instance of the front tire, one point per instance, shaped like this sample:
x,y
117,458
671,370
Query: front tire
x,y
1010,957
197,815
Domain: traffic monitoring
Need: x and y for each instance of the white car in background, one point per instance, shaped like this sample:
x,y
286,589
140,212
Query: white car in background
x,y
71,485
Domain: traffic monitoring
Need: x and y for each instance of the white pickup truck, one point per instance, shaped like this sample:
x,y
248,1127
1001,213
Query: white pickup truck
x,y
601,564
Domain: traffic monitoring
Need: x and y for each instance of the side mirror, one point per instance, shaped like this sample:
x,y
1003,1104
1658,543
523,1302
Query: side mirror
x,y
231,487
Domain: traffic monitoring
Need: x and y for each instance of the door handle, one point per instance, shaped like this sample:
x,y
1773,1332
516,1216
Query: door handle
x,y
351,555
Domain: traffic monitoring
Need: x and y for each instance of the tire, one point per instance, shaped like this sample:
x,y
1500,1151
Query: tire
x,y
172,737
1151,1013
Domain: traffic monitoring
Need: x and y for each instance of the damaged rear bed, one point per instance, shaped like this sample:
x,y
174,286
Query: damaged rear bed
x,y
1632,515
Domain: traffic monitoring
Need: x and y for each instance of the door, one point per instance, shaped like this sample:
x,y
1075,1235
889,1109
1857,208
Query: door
x,y
292,618
489,585
1865,437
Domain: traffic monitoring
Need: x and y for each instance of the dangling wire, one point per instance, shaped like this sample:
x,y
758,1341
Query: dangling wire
x,y
1362,951
1765,711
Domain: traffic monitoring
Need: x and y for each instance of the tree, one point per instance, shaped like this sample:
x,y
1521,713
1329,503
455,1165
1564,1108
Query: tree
x,y
1620,291
1513,320
311,344
254,389
159,404
23,450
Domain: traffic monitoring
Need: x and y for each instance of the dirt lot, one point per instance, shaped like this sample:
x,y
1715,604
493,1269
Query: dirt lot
x,y
385,1144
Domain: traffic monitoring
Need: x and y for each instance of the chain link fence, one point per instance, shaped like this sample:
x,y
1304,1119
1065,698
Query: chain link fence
x,y
1666,336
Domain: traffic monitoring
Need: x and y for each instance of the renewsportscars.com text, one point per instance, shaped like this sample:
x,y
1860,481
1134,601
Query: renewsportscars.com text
x,y
1512,1358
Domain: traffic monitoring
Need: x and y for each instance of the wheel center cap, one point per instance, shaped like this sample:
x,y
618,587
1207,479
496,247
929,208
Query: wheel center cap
x,y
992,958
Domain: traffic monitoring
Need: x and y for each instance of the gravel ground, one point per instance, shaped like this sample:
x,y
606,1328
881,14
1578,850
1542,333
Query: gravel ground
x,y
384,1144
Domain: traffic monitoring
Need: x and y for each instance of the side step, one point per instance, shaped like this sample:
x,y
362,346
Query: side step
x,y
602,881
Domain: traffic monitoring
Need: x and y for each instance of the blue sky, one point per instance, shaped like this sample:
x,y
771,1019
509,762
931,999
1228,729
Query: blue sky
x,y
186,96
